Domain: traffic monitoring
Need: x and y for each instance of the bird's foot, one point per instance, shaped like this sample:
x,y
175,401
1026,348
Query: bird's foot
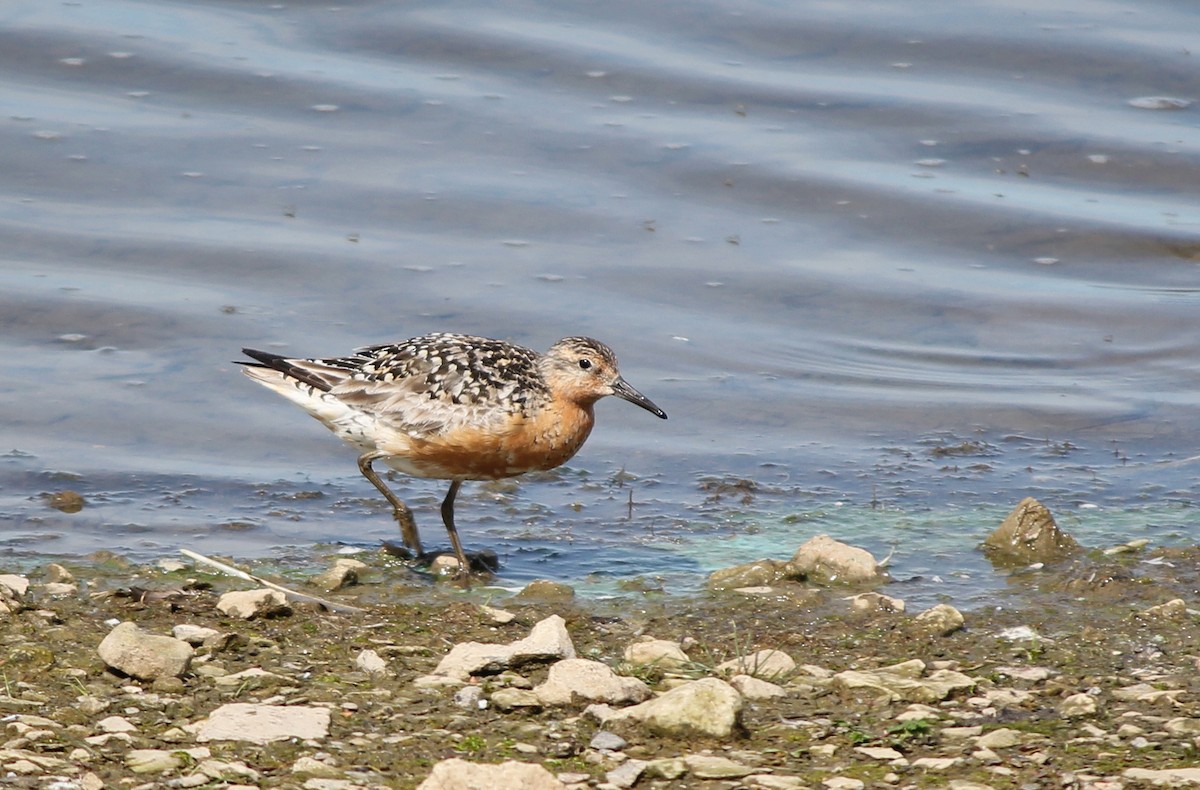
x,y
445,563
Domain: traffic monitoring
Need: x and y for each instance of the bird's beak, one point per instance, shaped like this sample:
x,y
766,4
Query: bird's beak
x,y
626,392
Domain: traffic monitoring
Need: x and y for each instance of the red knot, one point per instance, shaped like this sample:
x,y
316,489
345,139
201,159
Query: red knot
x,y
453,407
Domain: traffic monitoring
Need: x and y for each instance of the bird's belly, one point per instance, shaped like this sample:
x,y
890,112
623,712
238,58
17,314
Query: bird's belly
x,y
471,453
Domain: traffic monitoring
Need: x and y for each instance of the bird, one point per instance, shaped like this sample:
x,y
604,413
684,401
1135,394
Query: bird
x,y
454,407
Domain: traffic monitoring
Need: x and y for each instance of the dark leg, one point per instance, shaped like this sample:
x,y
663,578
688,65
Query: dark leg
x,y
404,516
451,530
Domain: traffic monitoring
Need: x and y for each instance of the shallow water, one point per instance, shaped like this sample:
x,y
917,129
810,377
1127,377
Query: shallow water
x,y
898,264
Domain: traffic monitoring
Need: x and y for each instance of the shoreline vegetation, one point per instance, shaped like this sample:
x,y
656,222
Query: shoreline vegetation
x,y
800,673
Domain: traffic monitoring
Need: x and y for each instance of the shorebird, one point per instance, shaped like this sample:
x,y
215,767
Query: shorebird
x,y
453,407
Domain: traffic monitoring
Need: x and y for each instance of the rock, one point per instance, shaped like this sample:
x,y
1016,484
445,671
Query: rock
x,y
131,650
13,586
507,699
1003,738
879,752
707,708
457,774
193,634
754,689
370,662
626,774
1183,726
252,678
115,724
256,723
1076,706
248,604
59,589
545,590
843,783
1166,777
764,664
580,680
437,682
66,501
707,766
444,565
1175,609
761,573
773,782
604,739
903,682
827,561
152,761
221,770
1028,535
57,573
941,619
665,768
310,766
547,641
497,616
658,653
1032,674
468,697
343,573
869,602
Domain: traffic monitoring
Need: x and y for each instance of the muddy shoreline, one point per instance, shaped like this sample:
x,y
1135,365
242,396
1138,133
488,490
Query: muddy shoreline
x,y
1081,678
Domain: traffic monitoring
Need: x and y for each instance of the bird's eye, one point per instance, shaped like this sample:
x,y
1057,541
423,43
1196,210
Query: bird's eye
x,y
585,364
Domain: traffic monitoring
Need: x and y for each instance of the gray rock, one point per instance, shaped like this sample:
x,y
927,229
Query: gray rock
x,y
827,561
580,680
456,774
706,708
608,740
468,697
248,604
370,662
547,641
626,774
131,650
255,723
1028,535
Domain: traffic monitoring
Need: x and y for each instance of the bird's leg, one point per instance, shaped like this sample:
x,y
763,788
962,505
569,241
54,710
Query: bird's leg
x,y
451,530
404,516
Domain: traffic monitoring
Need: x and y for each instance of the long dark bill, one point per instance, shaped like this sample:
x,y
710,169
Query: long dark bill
x,y
625,392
